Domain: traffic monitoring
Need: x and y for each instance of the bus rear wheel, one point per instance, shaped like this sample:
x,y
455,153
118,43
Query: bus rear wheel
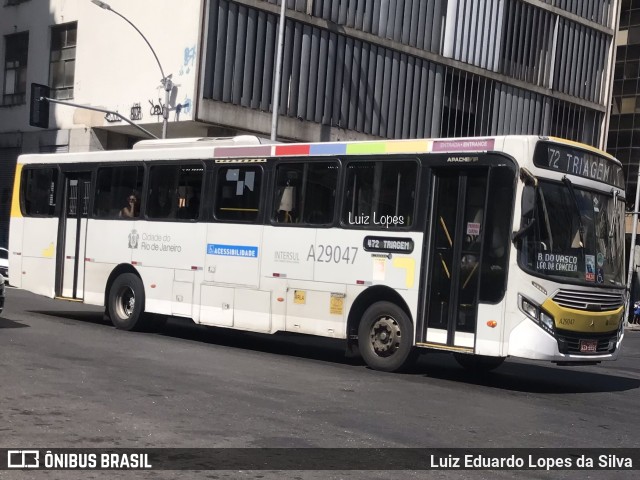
x,y
385,337
478,363
126,302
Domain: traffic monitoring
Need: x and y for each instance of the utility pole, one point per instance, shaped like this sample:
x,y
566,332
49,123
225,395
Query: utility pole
x,y
277,81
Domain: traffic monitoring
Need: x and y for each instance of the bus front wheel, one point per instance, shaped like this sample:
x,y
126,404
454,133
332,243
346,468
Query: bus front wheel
x,y
385,337
126,302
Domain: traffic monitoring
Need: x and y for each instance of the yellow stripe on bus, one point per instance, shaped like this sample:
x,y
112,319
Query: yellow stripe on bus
x,y
15,201
583,321
581,145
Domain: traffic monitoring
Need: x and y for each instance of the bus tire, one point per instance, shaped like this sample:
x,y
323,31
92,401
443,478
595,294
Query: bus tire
x,y
385,337
126,302
478,363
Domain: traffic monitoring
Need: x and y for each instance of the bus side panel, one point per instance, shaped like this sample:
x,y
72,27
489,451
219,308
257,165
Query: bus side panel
x,y
229,287
233,254
39,255
96,275
15,251
288,252
16,236
252,310
340,254
170,257
159,289
489,339
107,246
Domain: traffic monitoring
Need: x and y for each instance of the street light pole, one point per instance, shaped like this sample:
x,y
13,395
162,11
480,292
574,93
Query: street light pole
x,y
166,80
276,83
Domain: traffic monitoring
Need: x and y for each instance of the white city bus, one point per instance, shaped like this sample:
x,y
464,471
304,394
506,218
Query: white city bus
x,y
485,247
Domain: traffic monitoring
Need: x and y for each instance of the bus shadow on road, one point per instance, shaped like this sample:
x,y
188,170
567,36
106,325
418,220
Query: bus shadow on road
x,y
528,378
511,376
281,343
6,323
70,316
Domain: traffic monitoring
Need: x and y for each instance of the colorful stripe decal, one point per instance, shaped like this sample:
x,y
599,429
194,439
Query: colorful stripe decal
x,y
357,148
328,149
409,146
259,151
284,150
365,148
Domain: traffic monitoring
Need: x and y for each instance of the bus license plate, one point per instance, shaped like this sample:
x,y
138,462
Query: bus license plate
x,y
588,346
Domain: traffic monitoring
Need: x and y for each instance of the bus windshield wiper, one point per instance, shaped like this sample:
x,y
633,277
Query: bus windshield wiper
x,y
572,192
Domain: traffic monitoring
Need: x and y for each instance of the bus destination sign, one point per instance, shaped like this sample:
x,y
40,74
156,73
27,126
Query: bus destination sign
x,y
573,161
387,244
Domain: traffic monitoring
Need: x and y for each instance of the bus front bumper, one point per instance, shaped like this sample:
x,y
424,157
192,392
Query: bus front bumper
x,y
528,340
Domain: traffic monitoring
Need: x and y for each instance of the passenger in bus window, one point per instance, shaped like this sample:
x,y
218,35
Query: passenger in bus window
x,y
132,210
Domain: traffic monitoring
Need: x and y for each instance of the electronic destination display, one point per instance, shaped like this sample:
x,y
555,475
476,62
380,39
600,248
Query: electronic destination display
x,y
574,161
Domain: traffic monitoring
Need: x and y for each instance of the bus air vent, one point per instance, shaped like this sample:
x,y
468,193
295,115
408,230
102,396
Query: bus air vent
x,y
589,301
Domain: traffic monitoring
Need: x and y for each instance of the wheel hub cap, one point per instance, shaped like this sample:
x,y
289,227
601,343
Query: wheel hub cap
x,y
385,336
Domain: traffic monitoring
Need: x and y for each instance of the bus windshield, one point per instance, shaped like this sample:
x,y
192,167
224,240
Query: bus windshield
x,y
574,234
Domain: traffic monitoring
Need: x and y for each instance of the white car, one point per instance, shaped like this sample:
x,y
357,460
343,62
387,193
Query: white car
x,y
4,263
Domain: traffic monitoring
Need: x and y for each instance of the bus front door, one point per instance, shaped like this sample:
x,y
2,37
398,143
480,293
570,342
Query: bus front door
x,y
455,257
72,235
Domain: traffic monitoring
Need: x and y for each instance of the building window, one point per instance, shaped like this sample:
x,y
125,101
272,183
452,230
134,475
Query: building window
x,y
63,60
15,68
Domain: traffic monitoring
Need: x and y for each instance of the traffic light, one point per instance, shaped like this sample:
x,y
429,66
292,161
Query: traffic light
x,y
39,109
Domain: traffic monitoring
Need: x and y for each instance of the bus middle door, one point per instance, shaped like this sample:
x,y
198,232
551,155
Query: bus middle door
x,y
455,257
72,235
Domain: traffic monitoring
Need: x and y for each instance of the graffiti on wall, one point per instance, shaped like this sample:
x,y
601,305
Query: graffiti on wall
x,y
156,108
136,112
189,60
111,118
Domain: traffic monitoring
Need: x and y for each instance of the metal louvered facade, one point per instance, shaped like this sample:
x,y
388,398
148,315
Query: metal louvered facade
x,y
624,128
411,68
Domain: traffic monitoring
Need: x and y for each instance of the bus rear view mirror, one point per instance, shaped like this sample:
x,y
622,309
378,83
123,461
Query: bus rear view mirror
x,y
528,201
528,209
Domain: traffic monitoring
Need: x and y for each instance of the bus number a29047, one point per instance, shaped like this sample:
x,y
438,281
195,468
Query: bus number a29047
x,y
332,254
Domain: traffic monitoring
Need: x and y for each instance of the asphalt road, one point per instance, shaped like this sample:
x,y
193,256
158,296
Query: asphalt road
x,y
69,379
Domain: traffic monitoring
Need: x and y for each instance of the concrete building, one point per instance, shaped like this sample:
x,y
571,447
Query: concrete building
x,y
624,129
352,69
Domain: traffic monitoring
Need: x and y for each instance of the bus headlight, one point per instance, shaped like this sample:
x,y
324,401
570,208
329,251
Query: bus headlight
x,y
529,308
546,321
536,314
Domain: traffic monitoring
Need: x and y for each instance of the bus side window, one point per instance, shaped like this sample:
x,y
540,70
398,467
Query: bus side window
x,y
288,194
398,192
380,194
39,190
238,193
359,194
305,192
188,191
497,235
320,193
174,192
115,185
